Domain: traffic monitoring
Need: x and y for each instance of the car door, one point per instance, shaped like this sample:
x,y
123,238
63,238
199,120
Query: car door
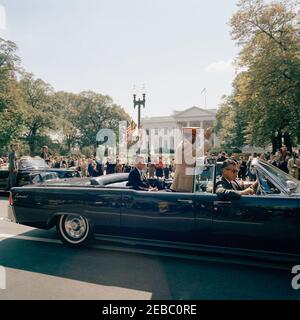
x,y
256,222
3,177
158,215
101,206
268,221
104,209
204,198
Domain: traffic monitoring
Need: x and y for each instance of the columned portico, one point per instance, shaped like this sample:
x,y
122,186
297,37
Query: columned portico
x,y
162,129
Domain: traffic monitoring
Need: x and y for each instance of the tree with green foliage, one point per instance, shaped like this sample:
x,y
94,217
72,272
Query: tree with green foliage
x,y
38,116
32,112
11,102
65,106
265,99
95,112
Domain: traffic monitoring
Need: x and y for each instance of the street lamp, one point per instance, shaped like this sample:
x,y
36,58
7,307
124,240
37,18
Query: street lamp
x,y
148,136
139,103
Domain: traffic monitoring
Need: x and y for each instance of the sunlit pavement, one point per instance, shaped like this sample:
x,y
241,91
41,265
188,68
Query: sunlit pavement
x,y
3,207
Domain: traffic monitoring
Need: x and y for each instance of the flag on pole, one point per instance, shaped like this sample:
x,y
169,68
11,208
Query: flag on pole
x,y
130,130
204,91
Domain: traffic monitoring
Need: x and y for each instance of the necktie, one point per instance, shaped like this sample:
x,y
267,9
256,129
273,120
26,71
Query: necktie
x,y
236,186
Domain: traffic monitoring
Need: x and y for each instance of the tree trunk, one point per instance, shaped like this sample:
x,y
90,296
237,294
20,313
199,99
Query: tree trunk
x,y
276,142
69,145
288,141
31,142
31,146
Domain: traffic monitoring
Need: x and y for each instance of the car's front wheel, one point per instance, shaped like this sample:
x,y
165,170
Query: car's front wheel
x,y
74,230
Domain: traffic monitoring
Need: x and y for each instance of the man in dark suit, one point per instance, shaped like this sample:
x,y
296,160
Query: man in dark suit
x,y
12,167
228,188
99,167
137,178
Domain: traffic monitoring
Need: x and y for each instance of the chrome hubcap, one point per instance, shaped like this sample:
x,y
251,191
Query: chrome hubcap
x,y
75,226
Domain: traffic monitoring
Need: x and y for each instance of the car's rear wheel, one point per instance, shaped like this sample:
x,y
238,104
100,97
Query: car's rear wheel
x,y
74,230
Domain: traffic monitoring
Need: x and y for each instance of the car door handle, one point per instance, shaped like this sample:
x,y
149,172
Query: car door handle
x,y
98,202
221,202
185,201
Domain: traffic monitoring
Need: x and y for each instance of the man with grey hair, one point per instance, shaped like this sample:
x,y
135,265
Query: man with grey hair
x,y
137,178
228,188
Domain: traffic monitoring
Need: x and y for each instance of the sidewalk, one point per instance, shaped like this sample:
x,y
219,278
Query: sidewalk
x,y
3,207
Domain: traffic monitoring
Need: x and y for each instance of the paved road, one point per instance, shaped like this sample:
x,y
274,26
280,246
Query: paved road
x,y
38,266
3,207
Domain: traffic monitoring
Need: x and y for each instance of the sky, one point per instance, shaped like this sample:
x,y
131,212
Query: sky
x,y
175,47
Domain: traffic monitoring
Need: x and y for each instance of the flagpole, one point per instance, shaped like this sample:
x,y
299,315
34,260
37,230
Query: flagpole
x,y
204,91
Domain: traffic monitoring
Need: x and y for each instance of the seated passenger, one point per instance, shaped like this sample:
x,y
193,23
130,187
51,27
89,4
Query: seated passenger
x,y
137,178
228,188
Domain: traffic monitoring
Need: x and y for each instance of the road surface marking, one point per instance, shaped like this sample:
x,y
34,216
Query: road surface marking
x,y
18,237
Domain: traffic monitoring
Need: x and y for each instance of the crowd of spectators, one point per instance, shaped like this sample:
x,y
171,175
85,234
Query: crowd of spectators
x,y
162,168
282,159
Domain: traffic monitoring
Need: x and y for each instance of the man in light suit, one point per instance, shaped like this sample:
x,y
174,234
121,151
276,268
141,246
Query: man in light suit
x,y
12,167
137,178
185,159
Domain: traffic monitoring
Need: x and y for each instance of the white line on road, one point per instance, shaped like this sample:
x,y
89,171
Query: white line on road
x,y
18,237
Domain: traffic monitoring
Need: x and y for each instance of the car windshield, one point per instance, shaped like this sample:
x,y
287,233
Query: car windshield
x,y
204,177
45,177
284,179
33,163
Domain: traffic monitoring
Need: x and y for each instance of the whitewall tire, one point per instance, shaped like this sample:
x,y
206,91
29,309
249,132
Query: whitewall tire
x,y
74,230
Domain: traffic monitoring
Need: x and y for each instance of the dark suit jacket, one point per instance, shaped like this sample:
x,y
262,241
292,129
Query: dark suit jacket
x,y
45,156
99,168
137,181
228,190
91,171
12,161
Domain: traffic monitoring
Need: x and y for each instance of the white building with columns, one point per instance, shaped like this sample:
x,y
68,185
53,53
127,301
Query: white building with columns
x,y
161,129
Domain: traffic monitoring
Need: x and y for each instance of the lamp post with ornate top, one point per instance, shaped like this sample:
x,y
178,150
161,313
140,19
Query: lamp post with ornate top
x,y
139,103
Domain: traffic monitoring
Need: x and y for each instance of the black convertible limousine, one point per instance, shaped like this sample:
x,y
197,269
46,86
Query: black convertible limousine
x,y
33,170
267,222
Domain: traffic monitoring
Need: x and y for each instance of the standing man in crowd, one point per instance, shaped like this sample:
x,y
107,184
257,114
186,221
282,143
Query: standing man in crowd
x,y
243,168
283,159
46,154
293,165
12,167
110,166
99,167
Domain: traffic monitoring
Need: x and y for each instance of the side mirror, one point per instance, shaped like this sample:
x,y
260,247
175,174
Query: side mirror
x,y
291,185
